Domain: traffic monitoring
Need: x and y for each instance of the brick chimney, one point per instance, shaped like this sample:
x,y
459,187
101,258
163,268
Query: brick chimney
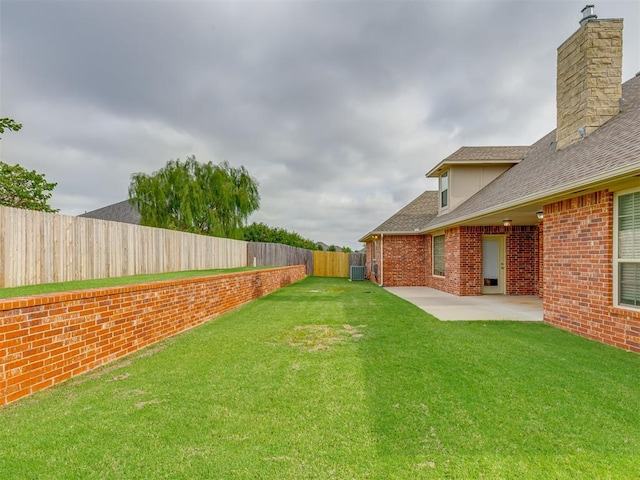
x,y
589,85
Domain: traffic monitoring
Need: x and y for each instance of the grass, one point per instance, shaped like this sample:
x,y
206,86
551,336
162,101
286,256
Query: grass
x,y
56,287
330,379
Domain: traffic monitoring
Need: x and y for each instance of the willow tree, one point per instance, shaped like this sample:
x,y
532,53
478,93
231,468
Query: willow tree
x,y
196,197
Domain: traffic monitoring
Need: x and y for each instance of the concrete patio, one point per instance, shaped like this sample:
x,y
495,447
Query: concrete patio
x,y
445,306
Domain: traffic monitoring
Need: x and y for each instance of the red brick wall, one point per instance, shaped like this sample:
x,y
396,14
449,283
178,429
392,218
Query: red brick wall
x,y
439,283
470,277
454,256
463,247
404,260
523,260
407,260
46,339
578,272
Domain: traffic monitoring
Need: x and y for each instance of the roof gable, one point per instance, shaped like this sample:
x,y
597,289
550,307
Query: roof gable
x,y
612,150
480,156
413,217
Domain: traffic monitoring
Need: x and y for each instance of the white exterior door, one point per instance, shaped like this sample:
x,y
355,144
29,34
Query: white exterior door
x,y
493,264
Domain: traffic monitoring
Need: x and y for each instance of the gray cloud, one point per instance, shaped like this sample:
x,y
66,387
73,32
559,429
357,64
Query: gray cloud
x,y
337,108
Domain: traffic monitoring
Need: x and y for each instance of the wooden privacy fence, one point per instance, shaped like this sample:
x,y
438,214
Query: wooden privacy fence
x,y
260,254
319,263
38,247
358,259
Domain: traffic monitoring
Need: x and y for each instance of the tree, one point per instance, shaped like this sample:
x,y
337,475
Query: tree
x,y
22,188
9,124
196,197
259,232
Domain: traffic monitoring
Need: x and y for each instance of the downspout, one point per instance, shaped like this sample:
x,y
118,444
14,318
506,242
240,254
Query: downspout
x,y
382,259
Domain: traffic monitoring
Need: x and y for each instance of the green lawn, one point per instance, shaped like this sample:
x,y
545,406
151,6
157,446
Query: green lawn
x,y
331,379
56,287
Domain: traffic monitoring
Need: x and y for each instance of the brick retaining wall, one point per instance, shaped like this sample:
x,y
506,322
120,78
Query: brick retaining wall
x,y
47,339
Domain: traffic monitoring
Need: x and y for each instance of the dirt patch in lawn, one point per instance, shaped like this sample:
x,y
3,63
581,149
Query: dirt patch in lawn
x,y
315,338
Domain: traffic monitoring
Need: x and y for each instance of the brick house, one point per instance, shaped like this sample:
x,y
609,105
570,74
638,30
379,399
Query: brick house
x,y
559,219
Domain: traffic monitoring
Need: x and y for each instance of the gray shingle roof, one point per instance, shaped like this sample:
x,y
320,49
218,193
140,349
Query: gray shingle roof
x,y
611,151
413,217
480,155
118,212
487,154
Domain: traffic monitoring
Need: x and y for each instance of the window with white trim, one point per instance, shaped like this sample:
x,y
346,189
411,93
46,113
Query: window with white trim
x,y
438,255
444,189
627,257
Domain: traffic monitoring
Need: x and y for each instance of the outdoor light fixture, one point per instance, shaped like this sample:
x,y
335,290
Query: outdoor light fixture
x,y
506,223
540,215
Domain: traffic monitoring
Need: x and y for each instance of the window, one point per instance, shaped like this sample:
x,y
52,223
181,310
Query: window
x,y
438,255
444,189
628,249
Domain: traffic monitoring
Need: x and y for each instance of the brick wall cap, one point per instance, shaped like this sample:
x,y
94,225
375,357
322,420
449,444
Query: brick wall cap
x,y
55,297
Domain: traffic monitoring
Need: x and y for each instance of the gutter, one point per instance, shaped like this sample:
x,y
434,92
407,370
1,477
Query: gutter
x,y
391,232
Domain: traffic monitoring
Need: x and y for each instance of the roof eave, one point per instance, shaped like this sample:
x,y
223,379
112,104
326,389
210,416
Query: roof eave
x,y
437,170
602,178
391,233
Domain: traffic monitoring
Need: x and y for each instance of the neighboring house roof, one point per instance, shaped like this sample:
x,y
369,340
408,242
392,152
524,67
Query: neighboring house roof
x,y
326,247
412,218
118,212
479,156
322,245
611,151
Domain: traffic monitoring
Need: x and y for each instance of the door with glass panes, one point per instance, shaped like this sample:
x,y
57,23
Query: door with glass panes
x,y
493,264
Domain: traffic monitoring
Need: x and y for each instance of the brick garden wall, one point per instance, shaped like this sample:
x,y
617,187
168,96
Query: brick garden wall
x,y
578,272
47,339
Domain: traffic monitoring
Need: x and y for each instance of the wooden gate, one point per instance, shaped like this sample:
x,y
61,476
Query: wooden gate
x,y
330,264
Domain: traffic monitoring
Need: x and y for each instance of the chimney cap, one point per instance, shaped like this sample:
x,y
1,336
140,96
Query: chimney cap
x,y
588,14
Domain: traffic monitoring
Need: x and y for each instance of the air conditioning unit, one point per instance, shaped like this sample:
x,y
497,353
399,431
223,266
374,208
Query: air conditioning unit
x,y
356,273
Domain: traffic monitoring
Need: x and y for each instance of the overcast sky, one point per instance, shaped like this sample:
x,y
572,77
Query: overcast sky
x,y
337,108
